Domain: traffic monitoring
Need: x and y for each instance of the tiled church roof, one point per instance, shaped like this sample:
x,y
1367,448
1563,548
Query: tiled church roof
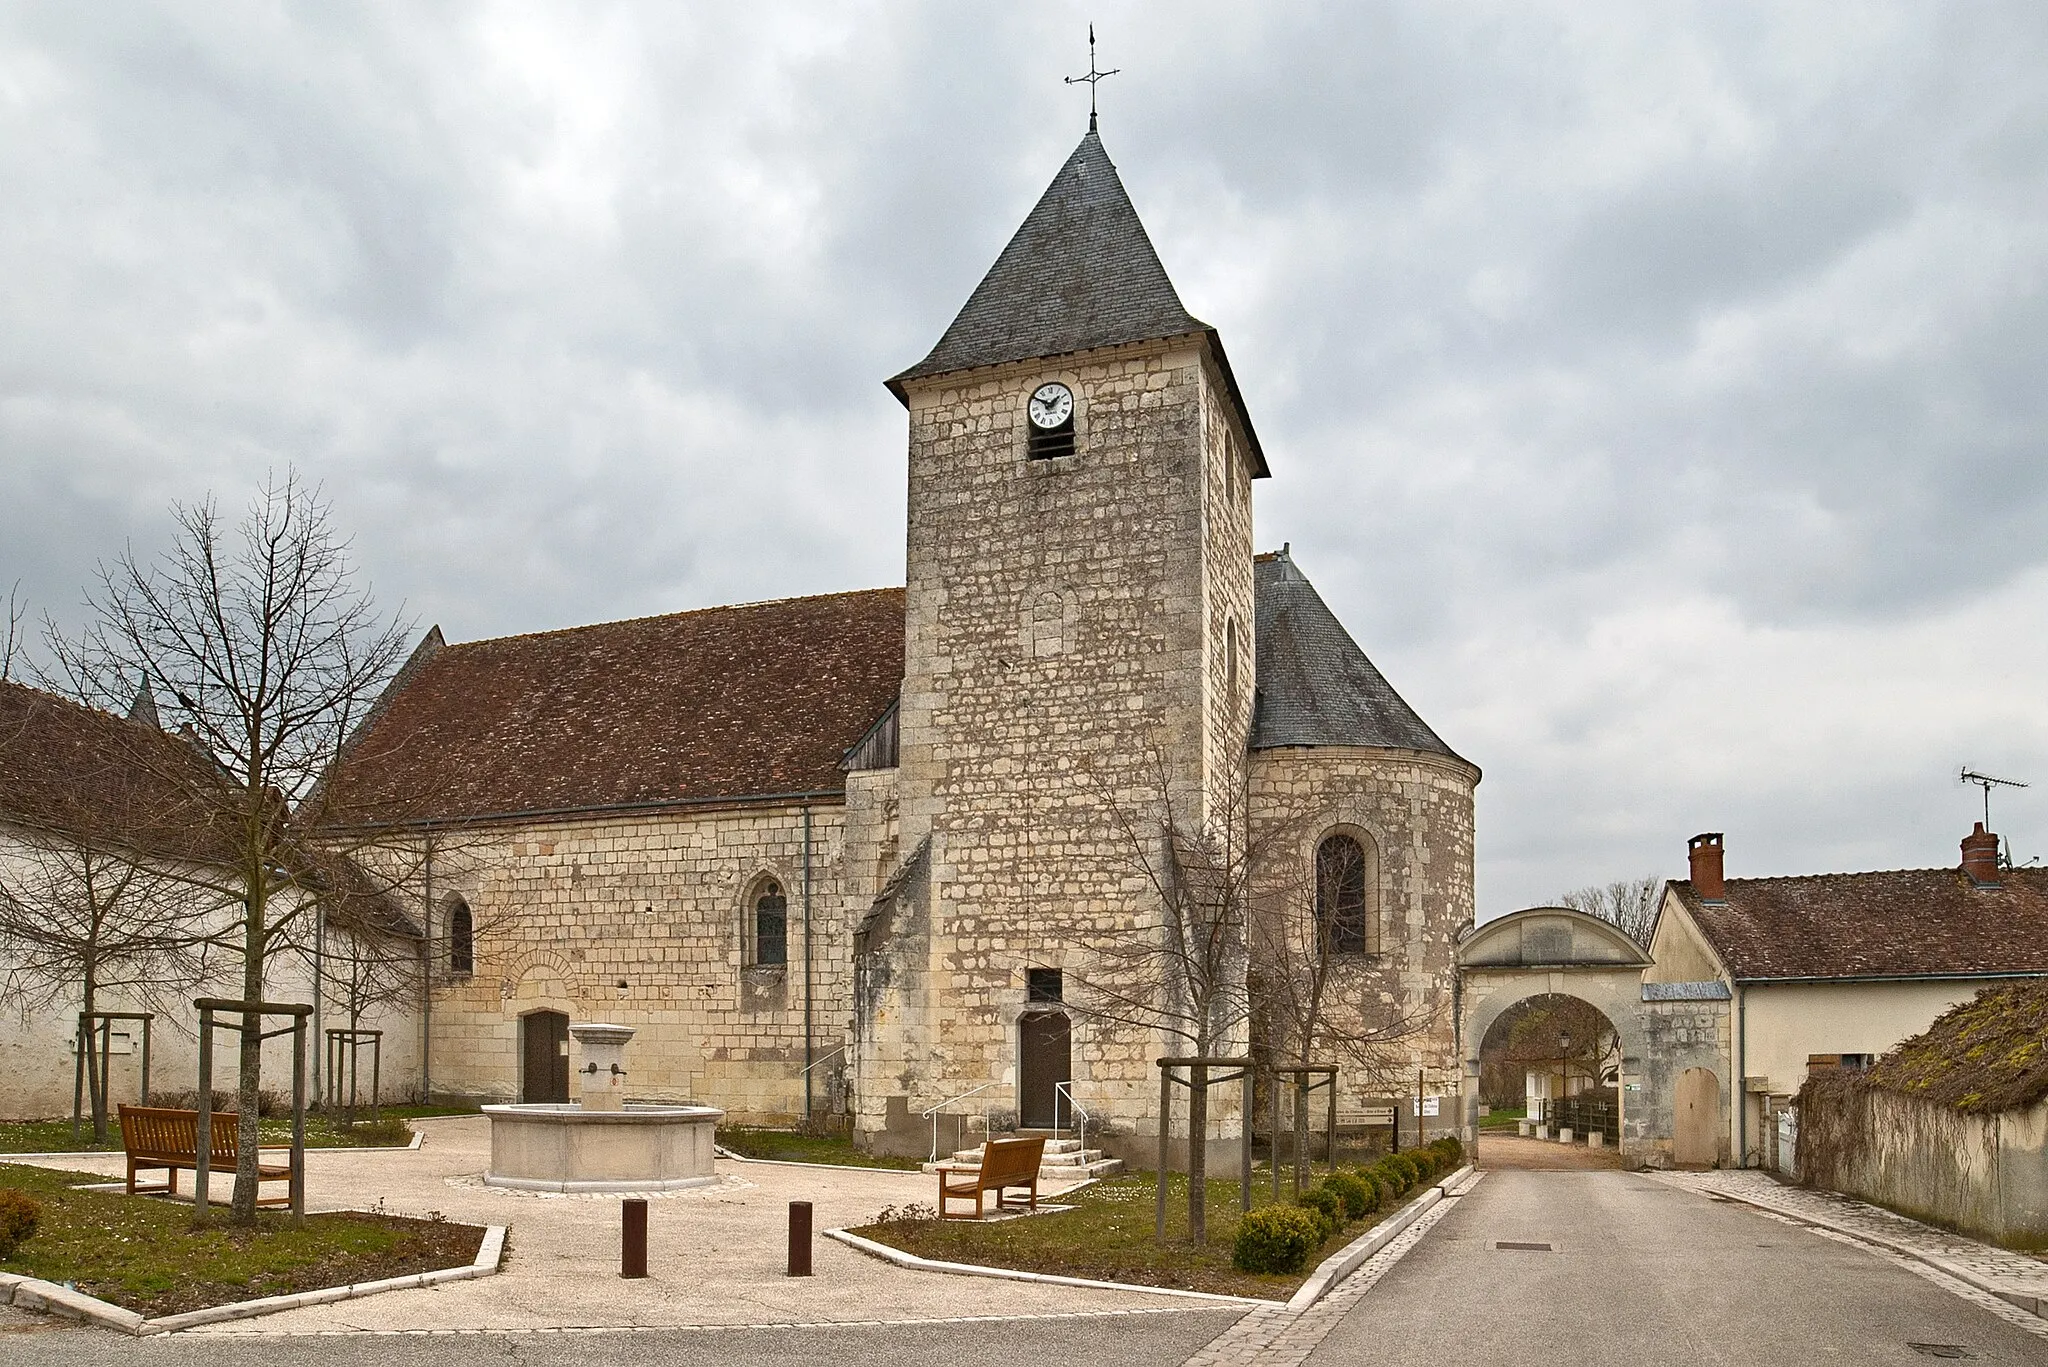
x,y
1901,923
1080,273
730,702
1315,686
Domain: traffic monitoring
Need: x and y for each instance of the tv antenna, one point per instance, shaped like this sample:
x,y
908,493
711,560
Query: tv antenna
x,y
1987,783
1092,78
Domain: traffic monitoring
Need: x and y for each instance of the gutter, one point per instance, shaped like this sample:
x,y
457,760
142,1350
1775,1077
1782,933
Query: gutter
x,y
660,804
1890,978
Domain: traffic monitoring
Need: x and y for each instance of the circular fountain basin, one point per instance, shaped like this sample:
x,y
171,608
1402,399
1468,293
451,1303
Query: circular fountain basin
x,y
545,1147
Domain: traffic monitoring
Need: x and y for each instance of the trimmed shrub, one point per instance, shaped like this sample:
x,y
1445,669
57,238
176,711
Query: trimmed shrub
x,y
1405,1164
1385,1193
1326,1203
1360,1200
1276,1239
18,1215
1394,1179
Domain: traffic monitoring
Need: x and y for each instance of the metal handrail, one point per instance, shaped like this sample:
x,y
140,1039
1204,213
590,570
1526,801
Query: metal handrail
x,y
1066,1089
933,1114
808,1066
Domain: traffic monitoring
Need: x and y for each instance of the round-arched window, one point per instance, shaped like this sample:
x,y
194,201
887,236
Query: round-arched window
x,y
1343,913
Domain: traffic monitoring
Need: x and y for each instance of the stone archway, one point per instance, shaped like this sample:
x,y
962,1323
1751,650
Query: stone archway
x,y
1554,951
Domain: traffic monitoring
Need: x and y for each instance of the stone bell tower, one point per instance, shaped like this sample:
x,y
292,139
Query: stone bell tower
x,y
1078,653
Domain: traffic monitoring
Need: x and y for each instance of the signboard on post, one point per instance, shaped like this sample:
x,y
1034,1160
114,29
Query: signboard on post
x,y
1376,1115
1423,1105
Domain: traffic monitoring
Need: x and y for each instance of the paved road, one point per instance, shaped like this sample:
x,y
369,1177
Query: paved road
x,y
1162,1340
1643,1272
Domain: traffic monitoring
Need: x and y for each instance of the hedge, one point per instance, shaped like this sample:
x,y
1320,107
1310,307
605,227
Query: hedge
x,y
1277,1239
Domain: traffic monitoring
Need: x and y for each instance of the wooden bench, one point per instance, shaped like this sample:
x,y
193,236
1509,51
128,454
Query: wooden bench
x,y
1004,1163
157,1137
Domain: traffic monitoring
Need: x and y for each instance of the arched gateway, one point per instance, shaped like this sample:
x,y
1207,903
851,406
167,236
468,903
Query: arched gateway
x,y
1556,951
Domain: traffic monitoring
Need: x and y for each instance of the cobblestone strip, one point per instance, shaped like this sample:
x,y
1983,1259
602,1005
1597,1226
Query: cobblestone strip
x,y
256,1331
1272,1337
1906,1241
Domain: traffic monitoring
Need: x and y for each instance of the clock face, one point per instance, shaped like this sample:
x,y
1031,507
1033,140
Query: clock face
x,y
1051,405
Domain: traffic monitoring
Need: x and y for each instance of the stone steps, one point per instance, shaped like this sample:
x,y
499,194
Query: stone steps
x,y
1064,1160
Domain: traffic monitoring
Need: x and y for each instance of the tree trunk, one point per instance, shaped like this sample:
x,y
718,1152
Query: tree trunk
x,y
249,1065
1198,1154
1300,1132
88,1045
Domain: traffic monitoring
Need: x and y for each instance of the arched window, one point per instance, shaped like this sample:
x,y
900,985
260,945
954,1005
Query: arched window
x,y
1344,921
771,924
461,938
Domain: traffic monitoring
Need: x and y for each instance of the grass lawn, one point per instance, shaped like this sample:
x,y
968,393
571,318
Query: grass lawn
x,y
322,1132
1502,1118
788,1146
145,1254
1108,1235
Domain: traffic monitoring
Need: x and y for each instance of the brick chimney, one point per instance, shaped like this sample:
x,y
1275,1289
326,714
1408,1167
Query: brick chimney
x,y
1980,857
1705,852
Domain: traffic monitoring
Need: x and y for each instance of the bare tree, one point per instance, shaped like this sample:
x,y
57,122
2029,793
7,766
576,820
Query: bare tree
x,y
91,900
1313,973
1631,905
272,656
11,643
1183,975
78,916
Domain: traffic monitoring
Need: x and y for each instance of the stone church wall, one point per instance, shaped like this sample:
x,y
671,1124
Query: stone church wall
x,y
640,920
1058,655
1417,811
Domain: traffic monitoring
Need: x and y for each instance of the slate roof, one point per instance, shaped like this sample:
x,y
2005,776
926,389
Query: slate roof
x,y
1903,923
1080,273
1315,686
722,703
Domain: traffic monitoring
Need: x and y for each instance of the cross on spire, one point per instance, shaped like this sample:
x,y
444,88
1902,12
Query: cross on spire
x,y
1092,77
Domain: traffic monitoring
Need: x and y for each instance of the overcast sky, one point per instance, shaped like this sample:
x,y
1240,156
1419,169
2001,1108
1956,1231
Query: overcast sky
x,y
1657,392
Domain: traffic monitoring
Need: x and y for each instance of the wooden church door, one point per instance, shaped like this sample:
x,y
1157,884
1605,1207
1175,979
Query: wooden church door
x,y
544,1044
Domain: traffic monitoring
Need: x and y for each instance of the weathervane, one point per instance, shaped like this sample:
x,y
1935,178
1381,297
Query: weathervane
x,y
1987,783
1092,77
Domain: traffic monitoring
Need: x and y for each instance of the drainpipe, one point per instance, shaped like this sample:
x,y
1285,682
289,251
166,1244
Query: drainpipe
x,y
809,1045
1741,1077
427,985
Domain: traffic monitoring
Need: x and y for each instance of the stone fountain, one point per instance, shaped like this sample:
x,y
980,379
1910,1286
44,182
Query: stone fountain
x,y
602,1143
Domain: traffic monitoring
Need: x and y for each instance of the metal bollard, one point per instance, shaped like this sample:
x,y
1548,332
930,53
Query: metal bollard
x,y
633,1239
799,1238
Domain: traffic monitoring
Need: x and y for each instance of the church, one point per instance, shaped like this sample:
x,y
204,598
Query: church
x,y
866,855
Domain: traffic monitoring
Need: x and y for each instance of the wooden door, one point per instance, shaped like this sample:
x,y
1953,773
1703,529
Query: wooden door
x,y
1044,1060
1696,1118
544,1045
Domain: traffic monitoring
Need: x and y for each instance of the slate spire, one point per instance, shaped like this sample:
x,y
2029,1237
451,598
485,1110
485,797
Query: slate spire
x,y
1080,273
1315,686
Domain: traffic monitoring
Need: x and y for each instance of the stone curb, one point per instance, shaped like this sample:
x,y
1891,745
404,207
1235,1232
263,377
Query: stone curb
x,y
31,1294
2034,1305
267,1148
1346,1260
730,1156
915,1263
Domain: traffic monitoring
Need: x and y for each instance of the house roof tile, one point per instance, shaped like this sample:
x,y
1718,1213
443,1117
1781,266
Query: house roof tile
x,y
1902,923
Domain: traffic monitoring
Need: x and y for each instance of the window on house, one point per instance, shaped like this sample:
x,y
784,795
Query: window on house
x,y
1044,985
1343,920
771,925
1230,659
461,939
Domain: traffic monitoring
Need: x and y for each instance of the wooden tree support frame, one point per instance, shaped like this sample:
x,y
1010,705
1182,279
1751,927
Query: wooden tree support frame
x,y
100,1024
344,1050
1305,1078
1198,1082
297,1030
